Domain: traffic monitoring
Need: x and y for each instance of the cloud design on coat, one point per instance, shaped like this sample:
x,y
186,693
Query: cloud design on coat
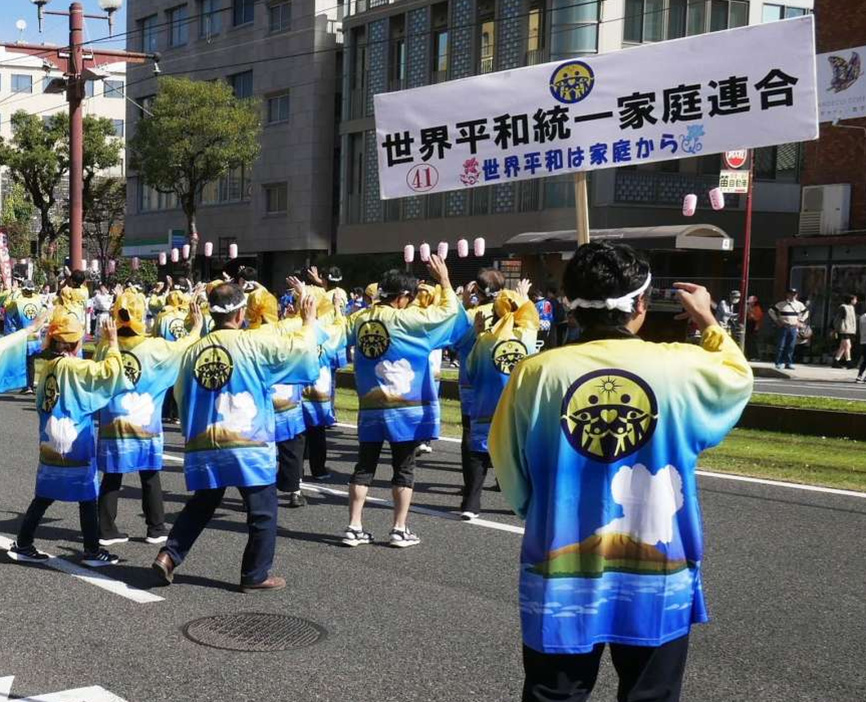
x,y
649,503
139,408
237,411
323,382
283,392
395,377
61,434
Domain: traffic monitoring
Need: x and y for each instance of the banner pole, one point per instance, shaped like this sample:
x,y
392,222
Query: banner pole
x,y
747,250
581,208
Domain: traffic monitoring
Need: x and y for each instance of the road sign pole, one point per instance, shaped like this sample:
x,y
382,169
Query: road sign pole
x,y
747,250
581,208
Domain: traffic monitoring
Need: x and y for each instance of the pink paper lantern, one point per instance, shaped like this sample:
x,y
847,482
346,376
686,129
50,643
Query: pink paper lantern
x,y
233,250
162,258
208,249
136,263
112,267
717,199
479,246
442,250
690,204
175,255
408,253
463,248
94,266
424,252
185,251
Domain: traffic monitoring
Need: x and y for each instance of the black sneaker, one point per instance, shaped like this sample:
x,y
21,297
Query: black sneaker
x,y
157,536
296,499
116,539
99,558
26,554
322,477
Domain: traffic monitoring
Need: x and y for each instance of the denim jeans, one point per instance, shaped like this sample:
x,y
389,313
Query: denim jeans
x,y
261,505
787,344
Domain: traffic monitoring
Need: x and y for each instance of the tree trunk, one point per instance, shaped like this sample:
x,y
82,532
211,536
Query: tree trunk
x,y
192,236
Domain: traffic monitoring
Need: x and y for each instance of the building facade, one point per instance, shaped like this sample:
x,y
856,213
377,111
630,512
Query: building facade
x,y
412,43
832,264
283,52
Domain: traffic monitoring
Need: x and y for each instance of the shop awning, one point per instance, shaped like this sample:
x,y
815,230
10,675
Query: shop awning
x,y
704,237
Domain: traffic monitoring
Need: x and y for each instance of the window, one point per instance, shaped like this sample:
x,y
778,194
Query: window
x,y
22,83
210,18
178,21
773,12
146,103
243,12
278,108
658,20
242,84
780,163
151,200
280,17
487,46
232,187
533,37
276,198
118,127
113,89
88,88
440,56
149,33
575,28
398,64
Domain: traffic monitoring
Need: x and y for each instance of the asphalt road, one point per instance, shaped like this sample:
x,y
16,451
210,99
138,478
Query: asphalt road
x,y
813,388
785,578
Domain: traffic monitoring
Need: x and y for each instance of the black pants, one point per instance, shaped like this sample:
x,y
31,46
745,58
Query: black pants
x,y
862,360
261,505
87,513
290,463
402,461
646,673
317,450
465,452
31,371
151,503
474,473
169,406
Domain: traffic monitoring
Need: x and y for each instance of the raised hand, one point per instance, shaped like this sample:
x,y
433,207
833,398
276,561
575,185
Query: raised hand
x,y
697,304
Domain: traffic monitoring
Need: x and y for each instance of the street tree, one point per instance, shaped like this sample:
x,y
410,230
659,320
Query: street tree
x,y
196,133
103,222
16,217
37,156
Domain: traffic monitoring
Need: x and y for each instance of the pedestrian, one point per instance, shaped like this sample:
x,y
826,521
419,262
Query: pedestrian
x,y
71,391
789,315
493,358
754,322
224,394
396,391
102,302
21,312
861,374
546,331
595,446
727,311
845,328
130,436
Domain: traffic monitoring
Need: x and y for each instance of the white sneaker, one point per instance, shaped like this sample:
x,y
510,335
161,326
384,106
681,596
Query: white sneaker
x,y
404,538
119,539
469,516
161,539
356,537
860,379
423,448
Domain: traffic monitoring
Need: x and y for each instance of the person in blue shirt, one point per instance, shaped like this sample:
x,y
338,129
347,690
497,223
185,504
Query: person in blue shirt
x,y
21,311
224,391
396,391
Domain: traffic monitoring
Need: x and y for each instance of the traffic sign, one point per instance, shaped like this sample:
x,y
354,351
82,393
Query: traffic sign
x,y
736,159
736,182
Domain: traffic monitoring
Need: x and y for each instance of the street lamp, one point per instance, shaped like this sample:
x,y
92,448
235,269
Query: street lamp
x,y
110,7
40,11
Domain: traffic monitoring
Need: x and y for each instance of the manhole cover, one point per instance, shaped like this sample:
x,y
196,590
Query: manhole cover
x,y
254,631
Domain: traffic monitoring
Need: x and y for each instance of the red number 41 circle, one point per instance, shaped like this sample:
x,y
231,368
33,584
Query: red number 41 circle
x,y
422,178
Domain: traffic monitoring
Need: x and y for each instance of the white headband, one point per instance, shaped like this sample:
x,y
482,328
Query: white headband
x,y
231,308
623,304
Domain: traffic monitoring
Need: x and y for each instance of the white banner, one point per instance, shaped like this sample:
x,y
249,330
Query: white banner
x,y
742,88
841,84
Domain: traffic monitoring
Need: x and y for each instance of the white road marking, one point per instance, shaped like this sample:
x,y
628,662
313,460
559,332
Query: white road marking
x,y
779,483
81,694
118,587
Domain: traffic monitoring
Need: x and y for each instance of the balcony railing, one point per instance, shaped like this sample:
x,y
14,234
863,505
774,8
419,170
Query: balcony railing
x,y
534,57
486,64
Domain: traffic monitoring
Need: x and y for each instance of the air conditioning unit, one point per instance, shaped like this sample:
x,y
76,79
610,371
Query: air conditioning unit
x,y
825,209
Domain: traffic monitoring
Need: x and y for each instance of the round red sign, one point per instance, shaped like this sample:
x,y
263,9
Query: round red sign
x,y
736,159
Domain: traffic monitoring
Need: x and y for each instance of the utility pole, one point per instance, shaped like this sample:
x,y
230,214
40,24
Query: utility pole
x,y
79,64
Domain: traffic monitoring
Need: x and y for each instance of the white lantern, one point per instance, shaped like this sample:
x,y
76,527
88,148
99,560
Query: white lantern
x,y
479,246
185,251
442,250
175,255
463,248
233,251
94,266
408,253
136,263
717,199
162,258
690,204
208,249
112,267
424,252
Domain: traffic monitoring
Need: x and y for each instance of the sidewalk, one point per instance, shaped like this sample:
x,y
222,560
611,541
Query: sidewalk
x,y
822,373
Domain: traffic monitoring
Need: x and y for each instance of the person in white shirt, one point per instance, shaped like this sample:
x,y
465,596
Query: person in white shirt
x,y
845,327
789,315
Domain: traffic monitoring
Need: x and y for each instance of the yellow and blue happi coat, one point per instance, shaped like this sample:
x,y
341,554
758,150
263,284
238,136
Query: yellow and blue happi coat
x,y
20,314
396,389
224,392
463,340
130,426
596,445
13,360
70,393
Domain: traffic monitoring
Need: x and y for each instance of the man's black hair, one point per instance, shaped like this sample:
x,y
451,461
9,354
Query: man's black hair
x,y
248,273
334,273
489,281
77,278
849,299
598,271
395,283
226,295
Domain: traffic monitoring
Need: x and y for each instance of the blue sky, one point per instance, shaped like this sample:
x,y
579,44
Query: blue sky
x,y
56,29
